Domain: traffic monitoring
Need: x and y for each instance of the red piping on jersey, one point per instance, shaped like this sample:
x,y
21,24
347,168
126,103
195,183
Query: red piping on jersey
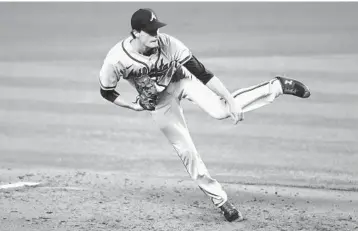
x,y
156,62
185,60
133,57
250,89
106,88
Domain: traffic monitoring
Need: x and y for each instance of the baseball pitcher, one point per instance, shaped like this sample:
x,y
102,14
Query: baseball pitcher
x,y
164,71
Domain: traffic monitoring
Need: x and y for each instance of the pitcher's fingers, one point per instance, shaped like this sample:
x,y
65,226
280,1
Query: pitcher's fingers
x,y
235,118
241,116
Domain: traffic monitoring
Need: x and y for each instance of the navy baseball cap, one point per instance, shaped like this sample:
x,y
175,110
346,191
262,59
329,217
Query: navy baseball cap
x,y
146,20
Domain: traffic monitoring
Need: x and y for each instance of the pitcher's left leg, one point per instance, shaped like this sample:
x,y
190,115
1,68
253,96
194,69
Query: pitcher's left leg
x,y
171,121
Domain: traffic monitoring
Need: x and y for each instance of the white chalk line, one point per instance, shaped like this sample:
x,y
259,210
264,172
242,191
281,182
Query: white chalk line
x,y
38,184
19,185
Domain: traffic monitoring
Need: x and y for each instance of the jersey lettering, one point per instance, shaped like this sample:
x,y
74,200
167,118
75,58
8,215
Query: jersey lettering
x,y
128,64
137,73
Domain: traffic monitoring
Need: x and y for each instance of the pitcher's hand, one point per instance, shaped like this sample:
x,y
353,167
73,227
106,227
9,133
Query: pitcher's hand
x,y
235,111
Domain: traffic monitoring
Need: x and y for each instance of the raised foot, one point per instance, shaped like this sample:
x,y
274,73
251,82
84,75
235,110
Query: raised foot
x,y
294,87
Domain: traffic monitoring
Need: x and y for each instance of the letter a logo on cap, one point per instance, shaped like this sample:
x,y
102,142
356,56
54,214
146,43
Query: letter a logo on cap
x,y
153,17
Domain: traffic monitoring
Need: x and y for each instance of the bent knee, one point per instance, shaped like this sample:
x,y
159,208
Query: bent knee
x,y
219,114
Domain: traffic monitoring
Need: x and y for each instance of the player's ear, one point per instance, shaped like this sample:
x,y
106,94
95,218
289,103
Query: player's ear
x,y
135,33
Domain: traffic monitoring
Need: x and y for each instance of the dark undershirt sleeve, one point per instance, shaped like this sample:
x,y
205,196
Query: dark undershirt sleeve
x,y
199,70
109,95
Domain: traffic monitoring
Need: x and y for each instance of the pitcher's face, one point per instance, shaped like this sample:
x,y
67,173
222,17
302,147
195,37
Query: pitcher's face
x,y
149,38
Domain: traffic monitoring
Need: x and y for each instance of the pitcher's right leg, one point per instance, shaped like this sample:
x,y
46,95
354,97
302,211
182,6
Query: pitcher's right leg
x,y
263,94
248,99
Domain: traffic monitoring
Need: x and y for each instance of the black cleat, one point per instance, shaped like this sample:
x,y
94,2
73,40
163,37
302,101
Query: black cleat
x,y
230,212
294,87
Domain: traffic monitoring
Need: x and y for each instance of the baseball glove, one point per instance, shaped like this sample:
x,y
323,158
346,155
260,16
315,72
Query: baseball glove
x,y
147,91
149,86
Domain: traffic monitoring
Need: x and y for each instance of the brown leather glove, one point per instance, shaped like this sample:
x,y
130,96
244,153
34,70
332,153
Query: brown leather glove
x,y
147,85
148,93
